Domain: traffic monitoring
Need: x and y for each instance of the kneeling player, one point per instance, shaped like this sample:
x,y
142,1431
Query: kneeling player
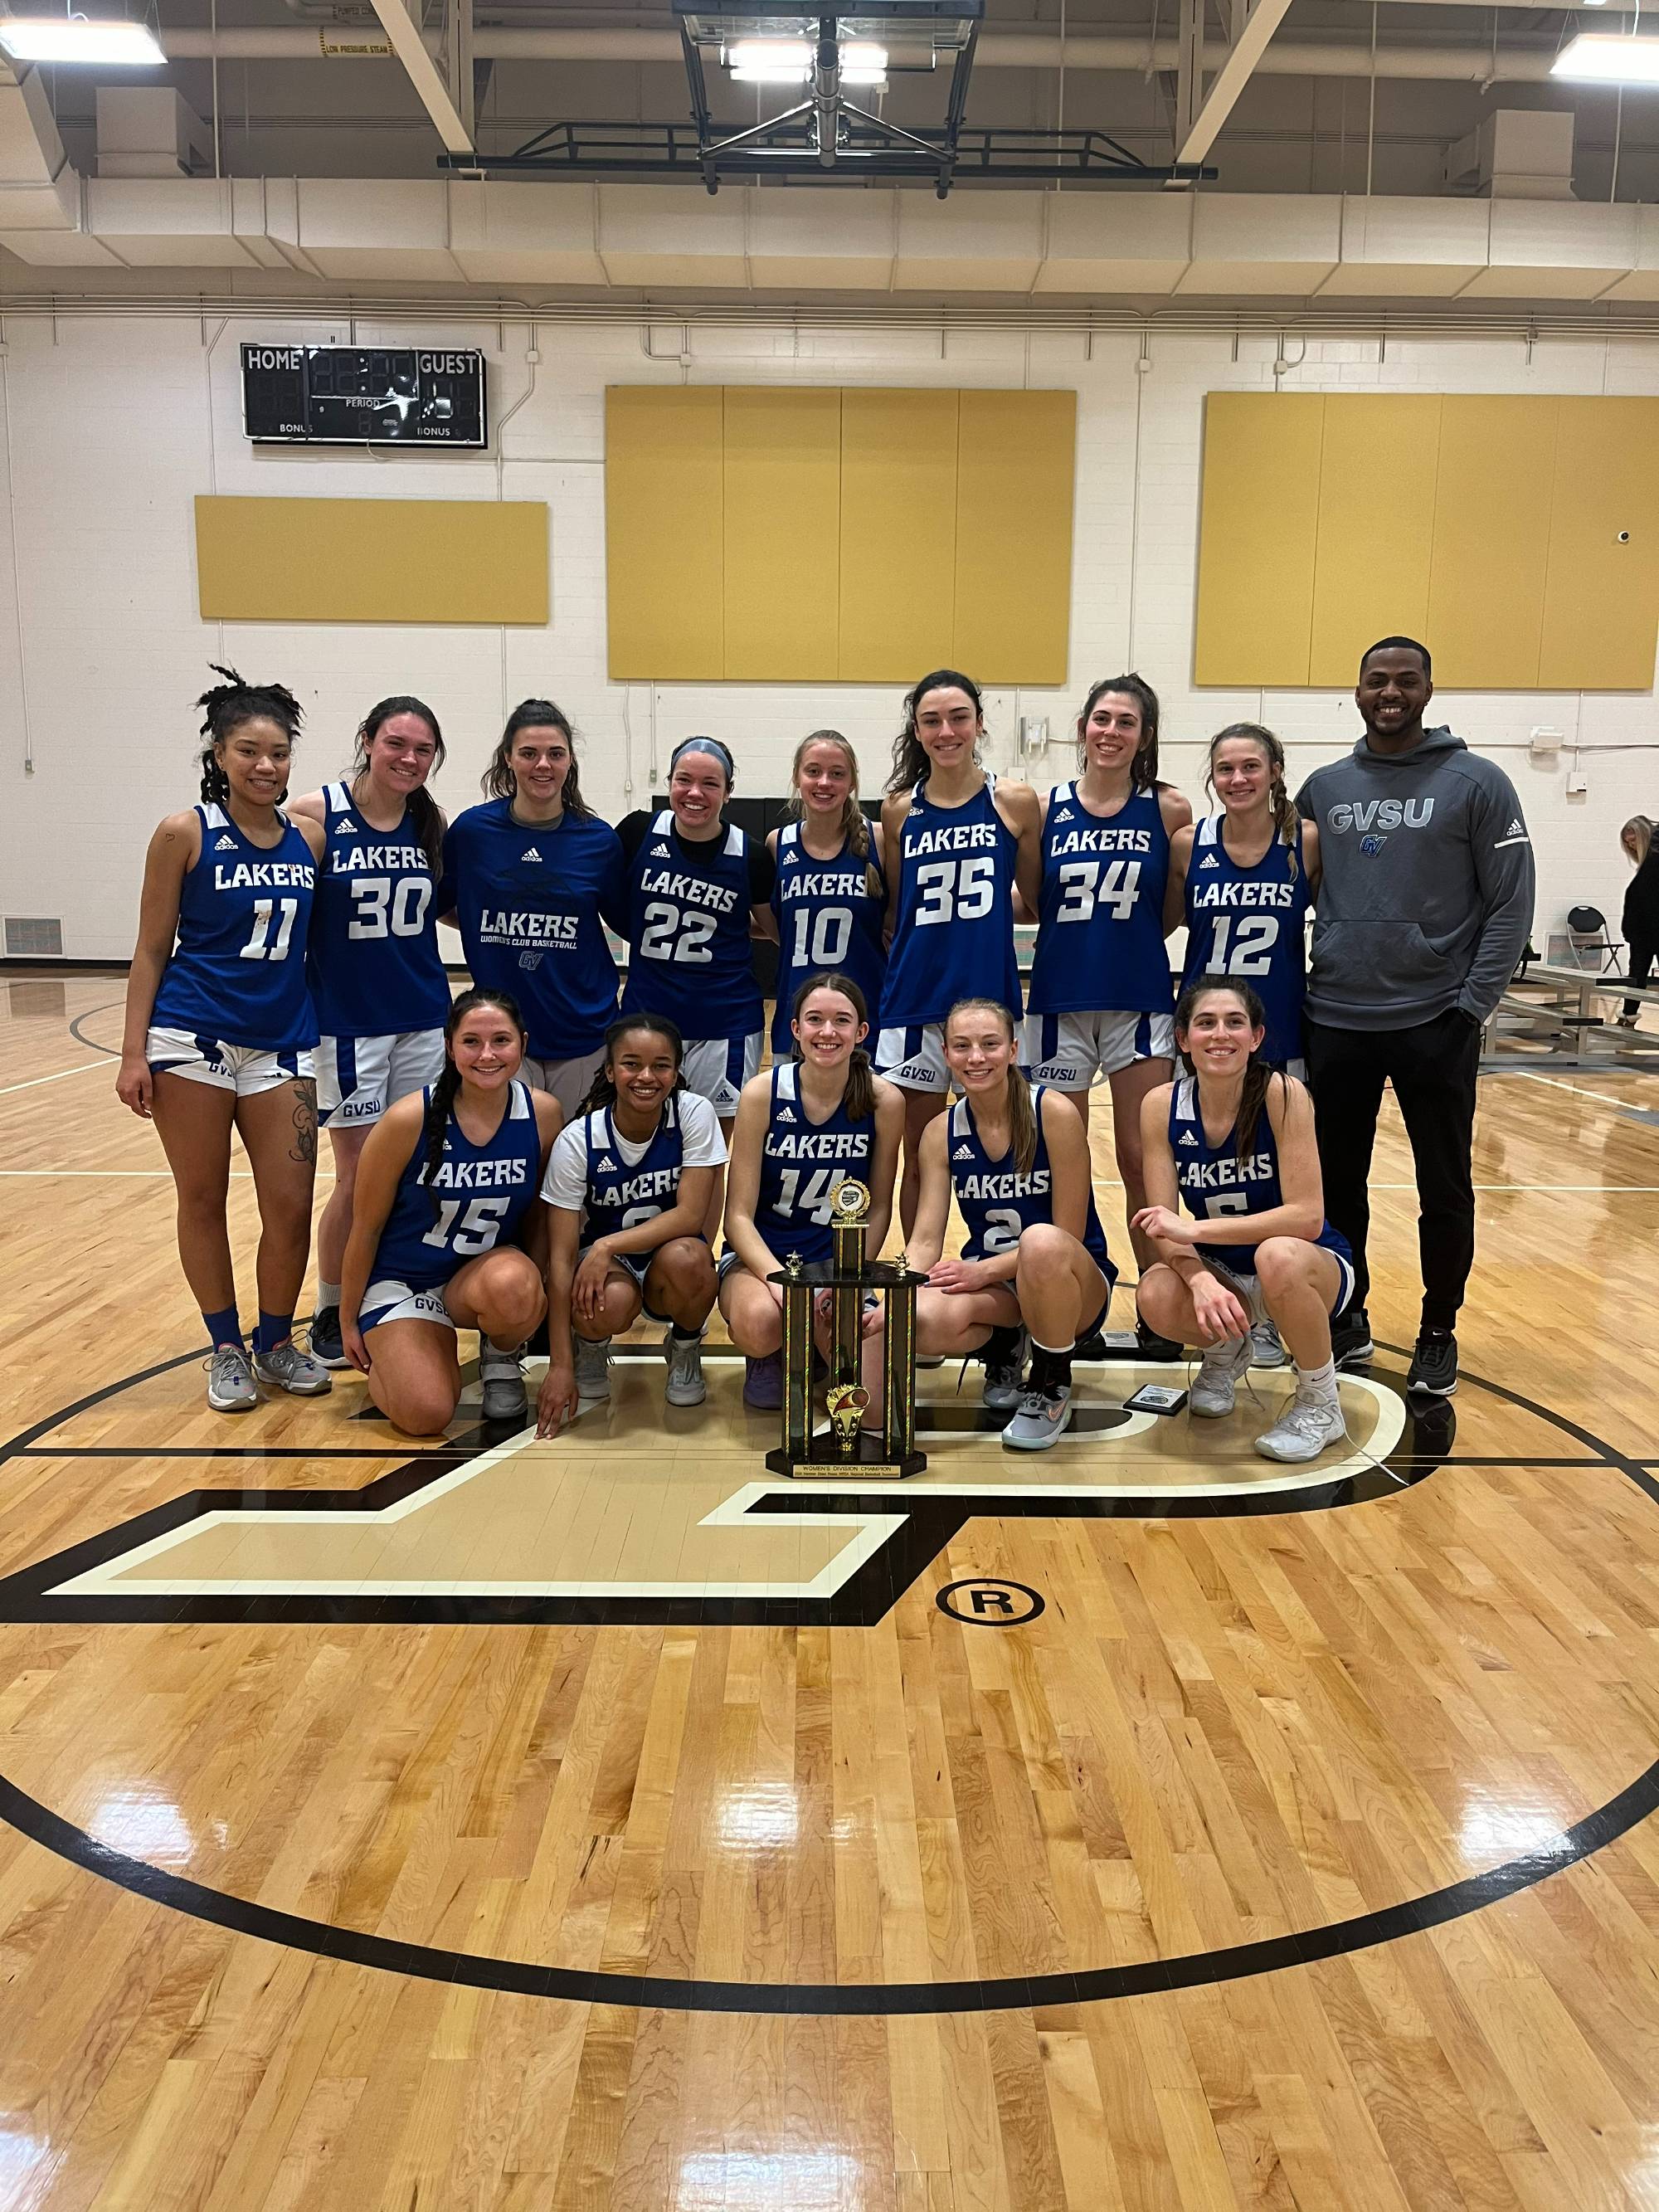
x,y
629,1188
445,1186
1034,1264
1235,1141
803,1128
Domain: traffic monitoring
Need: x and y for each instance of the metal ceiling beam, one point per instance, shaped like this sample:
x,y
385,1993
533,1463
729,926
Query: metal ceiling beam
x,y
402,31
1199,134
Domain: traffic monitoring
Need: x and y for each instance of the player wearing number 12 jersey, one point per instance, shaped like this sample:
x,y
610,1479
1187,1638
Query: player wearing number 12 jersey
x,y
1244,881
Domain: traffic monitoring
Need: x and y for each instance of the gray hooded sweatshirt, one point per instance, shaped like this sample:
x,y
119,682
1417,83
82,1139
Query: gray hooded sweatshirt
x,y
1426,887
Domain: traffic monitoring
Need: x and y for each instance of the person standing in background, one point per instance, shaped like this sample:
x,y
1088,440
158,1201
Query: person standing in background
x,y
1640,926
1424,902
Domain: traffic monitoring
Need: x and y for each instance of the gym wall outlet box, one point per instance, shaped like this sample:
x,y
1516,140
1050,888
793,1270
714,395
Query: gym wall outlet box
x,y
1033,736
1545,744
1577,785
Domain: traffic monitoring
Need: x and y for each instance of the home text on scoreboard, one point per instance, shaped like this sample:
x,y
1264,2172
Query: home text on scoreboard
x,y
364,396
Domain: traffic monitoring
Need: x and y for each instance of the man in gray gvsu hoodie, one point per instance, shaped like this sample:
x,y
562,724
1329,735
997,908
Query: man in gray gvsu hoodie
x,y
1424,902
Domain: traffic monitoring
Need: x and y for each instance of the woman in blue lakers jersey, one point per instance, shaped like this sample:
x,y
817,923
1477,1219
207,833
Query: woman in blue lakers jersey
x,y
1033,1268
830,900
629,1186
1102,993
446,1203
802,1129
698,888
372,960
530,879
220,1029
1244,881
958,843
1232,1141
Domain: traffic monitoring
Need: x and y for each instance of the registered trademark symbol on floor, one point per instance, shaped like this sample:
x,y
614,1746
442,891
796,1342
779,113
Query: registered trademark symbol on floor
x,y
987,1602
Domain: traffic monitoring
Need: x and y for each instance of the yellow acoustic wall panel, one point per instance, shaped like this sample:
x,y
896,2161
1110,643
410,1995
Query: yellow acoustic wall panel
x,y
898,534
1257,535
371,560
1601,596
1491,541
783,534
1016,460
665,557
1377,485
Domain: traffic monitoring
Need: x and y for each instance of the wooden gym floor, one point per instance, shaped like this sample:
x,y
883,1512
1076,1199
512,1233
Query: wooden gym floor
x,y
503,1826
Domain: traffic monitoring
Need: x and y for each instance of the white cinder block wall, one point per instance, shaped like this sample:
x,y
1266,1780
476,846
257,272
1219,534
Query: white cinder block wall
x,y
112,425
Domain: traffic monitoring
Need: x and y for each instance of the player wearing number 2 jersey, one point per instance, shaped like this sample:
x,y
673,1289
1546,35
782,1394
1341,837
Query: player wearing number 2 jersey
x,y
1243,882
219,1028
697,890
372,958
957,845
830,897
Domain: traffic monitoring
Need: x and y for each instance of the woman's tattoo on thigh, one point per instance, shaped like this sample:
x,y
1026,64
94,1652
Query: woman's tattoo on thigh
x,y
304,1148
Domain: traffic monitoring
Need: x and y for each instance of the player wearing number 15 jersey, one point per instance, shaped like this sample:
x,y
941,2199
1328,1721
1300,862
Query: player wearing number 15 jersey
x,y
1244,881
830,897
219,1028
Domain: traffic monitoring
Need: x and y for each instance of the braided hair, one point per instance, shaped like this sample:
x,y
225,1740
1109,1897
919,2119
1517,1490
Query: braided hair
x,y
225,707
1257,1074
498,780
860,1099
602,1092
1142,768
441,1103
1286,821
910,761
424,810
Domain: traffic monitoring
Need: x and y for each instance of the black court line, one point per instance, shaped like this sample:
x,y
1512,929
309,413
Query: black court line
x,y
1636,1802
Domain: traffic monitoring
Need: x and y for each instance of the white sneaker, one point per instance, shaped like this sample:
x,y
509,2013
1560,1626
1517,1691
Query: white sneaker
x,y
593,1367
685,1385
230,1381
1307,1426
1265,1350
293,1370
504,1397
1043,1418
1222,1368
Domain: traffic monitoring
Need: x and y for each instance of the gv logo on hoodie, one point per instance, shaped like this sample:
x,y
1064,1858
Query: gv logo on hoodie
x,y
1381,814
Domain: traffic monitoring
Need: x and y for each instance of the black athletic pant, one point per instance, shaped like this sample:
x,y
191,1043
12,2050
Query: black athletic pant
x,y
1432,1068
1643,954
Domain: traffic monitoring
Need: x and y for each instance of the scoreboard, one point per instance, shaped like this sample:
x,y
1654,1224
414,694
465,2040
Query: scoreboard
x,y
364,396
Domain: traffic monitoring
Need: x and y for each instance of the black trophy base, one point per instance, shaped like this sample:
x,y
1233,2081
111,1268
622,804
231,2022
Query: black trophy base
x,y
825,1461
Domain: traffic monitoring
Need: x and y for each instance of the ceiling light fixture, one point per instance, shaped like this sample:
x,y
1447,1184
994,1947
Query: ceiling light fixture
x,y
863,62
108,39
1603,58
770,61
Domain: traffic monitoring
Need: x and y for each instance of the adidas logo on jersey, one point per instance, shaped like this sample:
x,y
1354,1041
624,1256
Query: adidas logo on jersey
x,y
1063,814
1209,862
1187,1138
226,845
606,1166
660,852
531,854
963,1152
1516,828
346,827
785,1113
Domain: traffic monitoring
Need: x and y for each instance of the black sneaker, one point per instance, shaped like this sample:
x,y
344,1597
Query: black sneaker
x,y
1351,1338
1003,1358
1092,1347
1149,1344
1433,1372
327,1346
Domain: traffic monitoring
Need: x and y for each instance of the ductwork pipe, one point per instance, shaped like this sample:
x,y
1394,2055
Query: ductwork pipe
x,y
996,49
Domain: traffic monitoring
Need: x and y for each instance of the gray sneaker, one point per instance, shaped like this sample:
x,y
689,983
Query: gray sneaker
x,y
685,1385
503,1377
593,1366
293,1370
1043,1417
1307,1427
1265,1350
230,1381
1222,1368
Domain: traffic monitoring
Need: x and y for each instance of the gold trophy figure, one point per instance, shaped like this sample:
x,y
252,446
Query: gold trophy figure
x,y
846,1403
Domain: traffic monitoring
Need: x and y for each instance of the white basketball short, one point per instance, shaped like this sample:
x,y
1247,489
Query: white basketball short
x,y
358,1077
236,1068
914,1059
1069,1050
1247,1289
569,1081
717,1068
390,1300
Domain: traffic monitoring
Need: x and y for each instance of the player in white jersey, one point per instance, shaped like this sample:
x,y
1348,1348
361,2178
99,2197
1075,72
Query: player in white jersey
x,y
220,1029
375,971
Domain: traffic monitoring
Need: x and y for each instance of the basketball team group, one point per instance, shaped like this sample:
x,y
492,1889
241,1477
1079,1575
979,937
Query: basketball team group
x,y
532,1155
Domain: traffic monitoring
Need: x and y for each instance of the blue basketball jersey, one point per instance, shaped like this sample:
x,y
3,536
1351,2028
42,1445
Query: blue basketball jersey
x,y
1250,922
996,1202
1214,1183
1100,927
954,937
618,1196
803,1164
689,931
237,973
531,900
483,1194
372,958
829,920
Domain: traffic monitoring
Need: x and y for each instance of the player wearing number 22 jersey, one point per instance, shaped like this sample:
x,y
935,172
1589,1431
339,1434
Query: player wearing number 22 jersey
x,y
1251,922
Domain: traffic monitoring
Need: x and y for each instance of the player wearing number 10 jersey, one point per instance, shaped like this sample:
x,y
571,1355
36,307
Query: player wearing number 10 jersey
x,y
830,897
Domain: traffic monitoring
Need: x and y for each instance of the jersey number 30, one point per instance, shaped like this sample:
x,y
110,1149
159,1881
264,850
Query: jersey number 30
x,y
380,902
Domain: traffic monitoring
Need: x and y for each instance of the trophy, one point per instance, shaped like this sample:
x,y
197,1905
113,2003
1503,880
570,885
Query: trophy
x,y
846,1446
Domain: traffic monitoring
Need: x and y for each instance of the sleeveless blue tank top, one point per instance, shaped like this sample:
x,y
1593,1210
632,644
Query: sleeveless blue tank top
x,y
238,971
803,1164
689,930
996,1202
829,921
372,956
1250,922
619,1196
954,937
1213,1182
483,1194
1100,927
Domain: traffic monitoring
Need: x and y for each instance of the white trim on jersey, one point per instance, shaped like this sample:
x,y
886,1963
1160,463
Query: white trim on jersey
x,y
213,815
